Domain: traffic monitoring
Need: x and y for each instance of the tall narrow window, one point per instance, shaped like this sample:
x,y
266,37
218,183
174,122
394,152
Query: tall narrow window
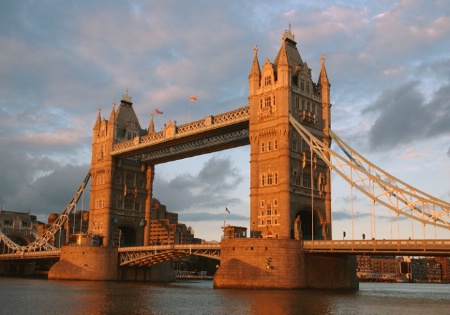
x,y
306,180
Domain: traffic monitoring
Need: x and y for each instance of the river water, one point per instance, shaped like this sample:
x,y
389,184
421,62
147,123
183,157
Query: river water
x,y
40,296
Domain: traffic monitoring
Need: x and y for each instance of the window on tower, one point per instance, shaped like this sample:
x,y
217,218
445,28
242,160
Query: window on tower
x,y
294,145
297,102
306,179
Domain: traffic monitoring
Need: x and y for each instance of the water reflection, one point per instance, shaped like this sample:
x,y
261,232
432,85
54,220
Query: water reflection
x,y
32,296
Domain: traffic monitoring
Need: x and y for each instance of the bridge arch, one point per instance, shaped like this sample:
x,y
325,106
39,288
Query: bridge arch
x,y
303,225
124,236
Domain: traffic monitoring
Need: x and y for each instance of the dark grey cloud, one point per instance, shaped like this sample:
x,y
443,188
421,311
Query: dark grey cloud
x,y
404,116
41,185
212,188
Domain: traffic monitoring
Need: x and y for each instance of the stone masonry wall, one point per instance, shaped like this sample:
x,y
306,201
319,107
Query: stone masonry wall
x,y
281,264
86,263
260,264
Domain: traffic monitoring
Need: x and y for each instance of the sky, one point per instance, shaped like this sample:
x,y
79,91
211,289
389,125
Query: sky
x,y
388,63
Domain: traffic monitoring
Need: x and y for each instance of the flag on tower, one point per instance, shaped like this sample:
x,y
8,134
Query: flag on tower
x,y
226,209
157,111
193,99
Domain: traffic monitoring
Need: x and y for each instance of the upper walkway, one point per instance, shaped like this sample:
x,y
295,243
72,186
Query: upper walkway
x,y
211,134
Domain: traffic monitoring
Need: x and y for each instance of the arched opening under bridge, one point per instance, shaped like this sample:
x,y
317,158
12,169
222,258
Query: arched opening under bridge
x,y
124,236
303,226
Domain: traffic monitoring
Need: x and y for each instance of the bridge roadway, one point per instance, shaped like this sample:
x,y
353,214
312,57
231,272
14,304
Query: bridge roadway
x,y
150,255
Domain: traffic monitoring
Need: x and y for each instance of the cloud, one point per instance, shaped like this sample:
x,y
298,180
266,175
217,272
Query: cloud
x,y
345,215
211,188
403,116
41,185
206,216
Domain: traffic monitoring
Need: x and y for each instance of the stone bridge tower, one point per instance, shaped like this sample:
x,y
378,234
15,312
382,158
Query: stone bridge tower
x,y
120,188
290,195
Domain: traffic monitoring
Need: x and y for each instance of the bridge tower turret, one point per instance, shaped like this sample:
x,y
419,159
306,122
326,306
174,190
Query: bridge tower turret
x,y
119,189
289,186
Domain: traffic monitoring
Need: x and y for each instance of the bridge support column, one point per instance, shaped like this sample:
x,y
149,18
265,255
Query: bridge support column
x,y
281,264
148,203
86,263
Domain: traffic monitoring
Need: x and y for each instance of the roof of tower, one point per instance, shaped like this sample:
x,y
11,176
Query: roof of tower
x,y
125,113
288,50
126,98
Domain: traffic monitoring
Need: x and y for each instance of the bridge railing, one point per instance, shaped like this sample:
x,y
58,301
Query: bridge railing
x,y
31,255
383,246
210,122
168,247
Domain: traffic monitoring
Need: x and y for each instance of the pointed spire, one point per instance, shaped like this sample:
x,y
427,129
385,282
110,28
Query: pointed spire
x,y
254,78
99,119
126,98
151,126
288,34
112,116
255,69
112,120
324,88
323,77
288,53
283,59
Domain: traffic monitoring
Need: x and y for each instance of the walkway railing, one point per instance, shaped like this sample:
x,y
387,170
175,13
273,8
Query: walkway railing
x,y
46,254
136,145
380,247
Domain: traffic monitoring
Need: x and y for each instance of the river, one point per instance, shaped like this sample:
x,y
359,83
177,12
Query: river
x,y
40,296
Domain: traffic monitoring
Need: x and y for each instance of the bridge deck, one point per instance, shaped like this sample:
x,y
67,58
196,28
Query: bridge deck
x,y
151,255
380,247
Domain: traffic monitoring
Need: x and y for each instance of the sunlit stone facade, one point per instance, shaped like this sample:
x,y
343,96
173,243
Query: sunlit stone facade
x,y
288,182
120,189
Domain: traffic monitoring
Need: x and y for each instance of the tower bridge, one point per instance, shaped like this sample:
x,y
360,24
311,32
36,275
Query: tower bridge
x,y
287,124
